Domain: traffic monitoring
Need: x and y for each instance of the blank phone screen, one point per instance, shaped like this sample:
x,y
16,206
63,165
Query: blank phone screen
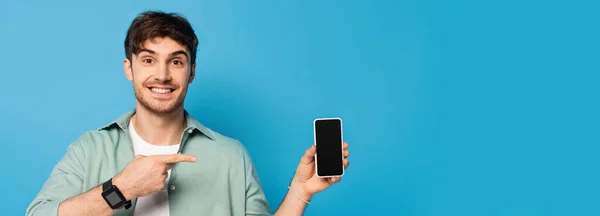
x,y
328,138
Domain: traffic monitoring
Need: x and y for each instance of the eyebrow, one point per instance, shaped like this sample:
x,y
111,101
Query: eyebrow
x,y
147,50
178,52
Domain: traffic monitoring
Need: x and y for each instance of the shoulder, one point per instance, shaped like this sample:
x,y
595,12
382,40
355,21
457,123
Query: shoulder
x,y
84,147
91,139
98,140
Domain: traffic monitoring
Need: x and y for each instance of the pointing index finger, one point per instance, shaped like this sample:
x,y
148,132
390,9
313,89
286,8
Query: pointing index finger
x,y
176,158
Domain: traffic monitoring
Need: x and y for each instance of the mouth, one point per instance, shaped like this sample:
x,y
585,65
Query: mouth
x,y
161,90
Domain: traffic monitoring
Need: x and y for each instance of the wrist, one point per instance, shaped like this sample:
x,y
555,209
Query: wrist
x,y
123,188
298,189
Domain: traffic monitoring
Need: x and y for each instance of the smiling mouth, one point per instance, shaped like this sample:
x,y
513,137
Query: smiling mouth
x,y
162,90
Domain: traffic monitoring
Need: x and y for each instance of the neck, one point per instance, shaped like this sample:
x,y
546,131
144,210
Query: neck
x,y
159,129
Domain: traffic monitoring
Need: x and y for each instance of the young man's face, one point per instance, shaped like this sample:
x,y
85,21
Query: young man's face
x,y
160,74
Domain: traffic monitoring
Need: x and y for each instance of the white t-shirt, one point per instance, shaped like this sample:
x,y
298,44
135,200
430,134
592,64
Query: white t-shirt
x,y
156,204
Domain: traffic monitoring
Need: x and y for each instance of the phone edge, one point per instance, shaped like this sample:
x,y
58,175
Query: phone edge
x,y
342,145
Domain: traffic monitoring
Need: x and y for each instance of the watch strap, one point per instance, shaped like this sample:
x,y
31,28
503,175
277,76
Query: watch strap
x,y
108,185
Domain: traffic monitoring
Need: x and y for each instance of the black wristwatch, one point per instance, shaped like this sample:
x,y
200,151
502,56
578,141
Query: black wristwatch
x,y
113,196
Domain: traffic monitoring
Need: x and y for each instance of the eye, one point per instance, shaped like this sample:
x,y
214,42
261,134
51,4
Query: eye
x,y
148,61
177,62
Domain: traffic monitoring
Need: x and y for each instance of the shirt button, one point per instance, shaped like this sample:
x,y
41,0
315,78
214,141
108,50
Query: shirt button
x,y
190,130
172,187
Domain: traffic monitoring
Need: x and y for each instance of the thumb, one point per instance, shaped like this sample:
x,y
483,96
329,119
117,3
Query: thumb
x,y
309,155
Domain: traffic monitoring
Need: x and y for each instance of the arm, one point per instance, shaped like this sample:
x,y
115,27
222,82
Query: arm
x,y
141,177
306,184
294,202
88,203
256,202
60,194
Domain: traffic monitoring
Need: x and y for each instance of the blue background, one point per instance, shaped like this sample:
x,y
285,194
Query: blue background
x,y
450,107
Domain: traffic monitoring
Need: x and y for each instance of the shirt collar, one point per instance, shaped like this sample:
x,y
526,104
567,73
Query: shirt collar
x,y
192,124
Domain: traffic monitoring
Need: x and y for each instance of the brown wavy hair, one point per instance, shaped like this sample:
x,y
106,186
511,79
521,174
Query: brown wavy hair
x,y
157,24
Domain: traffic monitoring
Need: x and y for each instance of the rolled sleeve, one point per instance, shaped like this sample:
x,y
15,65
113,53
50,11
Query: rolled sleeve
x,y
65,181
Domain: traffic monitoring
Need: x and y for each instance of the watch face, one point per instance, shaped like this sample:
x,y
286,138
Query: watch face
x,y
113,198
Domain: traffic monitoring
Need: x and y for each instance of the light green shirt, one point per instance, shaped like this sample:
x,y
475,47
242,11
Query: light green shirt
x,y
223,180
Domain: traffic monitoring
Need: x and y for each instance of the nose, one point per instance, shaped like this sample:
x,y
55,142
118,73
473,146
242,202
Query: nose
x,y
163,74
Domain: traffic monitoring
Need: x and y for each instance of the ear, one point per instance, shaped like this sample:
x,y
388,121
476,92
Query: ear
x,y
127,69
192,73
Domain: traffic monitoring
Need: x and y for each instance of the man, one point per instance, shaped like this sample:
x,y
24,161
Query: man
x,y
156,159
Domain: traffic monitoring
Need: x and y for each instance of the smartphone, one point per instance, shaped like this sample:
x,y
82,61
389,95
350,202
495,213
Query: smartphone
x,y
329,159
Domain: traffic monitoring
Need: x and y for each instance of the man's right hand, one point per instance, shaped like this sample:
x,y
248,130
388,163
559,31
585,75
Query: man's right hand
x,y
146,175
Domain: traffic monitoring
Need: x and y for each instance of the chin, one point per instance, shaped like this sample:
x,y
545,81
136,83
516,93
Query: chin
x,y
163,108
160,107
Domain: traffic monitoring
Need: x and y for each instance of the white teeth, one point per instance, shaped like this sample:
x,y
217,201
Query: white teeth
x,y
160,91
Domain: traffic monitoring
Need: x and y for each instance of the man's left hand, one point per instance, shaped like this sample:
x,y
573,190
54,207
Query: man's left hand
x,y
305,182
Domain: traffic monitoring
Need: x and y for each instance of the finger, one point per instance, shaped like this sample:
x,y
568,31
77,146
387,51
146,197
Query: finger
x,y
345,146
176,158
346,153
346,163
334,180
309,155
168,167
